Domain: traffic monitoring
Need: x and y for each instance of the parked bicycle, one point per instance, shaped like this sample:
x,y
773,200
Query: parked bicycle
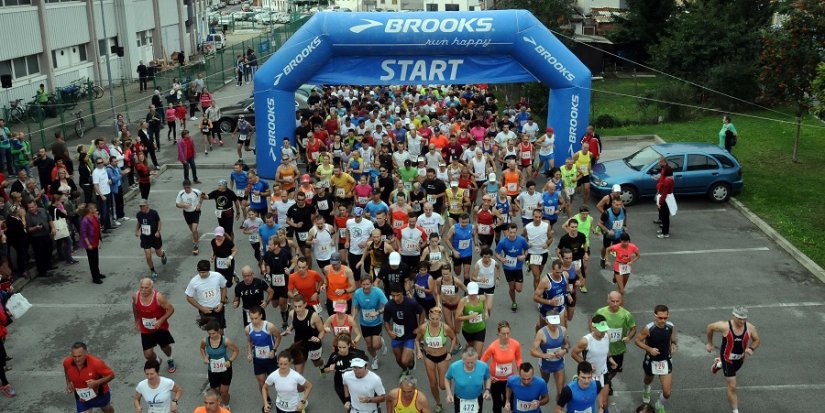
x,y
79,124
21,112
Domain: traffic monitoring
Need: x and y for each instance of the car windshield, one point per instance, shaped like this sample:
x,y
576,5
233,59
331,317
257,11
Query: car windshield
x,y
642,158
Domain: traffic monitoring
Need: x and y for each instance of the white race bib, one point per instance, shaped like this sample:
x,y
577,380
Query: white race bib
x,y
255,198
398,329
549,210
278,280
431,199
570,191
523,406
323,205
408,186
85,394
526,155
239,193
409,245
535,259
435,256
145,229
614,335
659,368
477,318
587,410
302,236
624,269
217,365
222,263
484,229
254,237
504,369
512,187
448,289
218,213
262,352
342,233
315,354
463,244
362,200
370,315
340,192
433,342
551,351
618,224
468,406
284,405
209,294
735,356
397,223
455,205
149,323
510,261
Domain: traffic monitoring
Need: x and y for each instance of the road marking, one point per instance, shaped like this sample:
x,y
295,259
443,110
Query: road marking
x,y
681,211
781,387
750,306
708,251
60,373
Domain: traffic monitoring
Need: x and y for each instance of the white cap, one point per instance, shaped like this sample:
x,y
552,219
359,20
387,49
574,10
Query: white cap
x,y
472,288
453,183
395,258
491,177
358,363
617,188
554,319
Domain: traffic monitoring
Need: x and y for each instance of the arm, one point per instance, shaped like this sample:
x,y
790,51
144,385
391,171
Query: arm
x,y
719,326
641,343
197,306
136,402
576,354
755,340
234,351
166,305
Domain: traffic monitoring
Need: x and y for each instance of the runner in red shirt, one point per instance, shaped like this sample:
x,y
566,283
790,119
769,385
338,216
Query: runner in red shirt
x,y
526,155
341,227
592,138
87,377
314,147
305,282
626,254
152,311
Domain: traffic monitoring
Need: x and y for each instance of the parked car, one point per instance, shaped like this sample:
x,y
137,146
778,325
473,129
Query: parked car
x,y
233,2
264,18
246,107
698,169
246,7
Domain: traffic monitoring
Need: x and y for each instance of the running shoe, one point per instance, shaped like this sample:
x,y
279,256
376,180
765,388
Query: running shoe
x,y
154,276
374,364
514,307
163,259
171,368
663,236
206,153
645,396
221,142
660,408
604,263
438,408
214,141
383,347
457,349
125,219
717,365
583,289
8,391
193,118
657,221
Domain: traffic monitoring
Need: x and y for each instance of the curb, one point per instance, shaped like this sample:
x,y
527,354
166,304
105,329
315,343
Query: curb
x,y
623,138
794,252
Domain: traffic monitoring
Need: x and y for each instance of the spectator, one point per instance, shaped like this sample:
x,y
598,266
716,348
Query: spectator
x,y
57,211
146,143
143,174
21,152
90,240
103,191
40,228
60,151
180,114
6,161
727,135
116,178
84,170
193,97
44,166
156,100
16,235
5,387
58,166
143,76
153,120
101,150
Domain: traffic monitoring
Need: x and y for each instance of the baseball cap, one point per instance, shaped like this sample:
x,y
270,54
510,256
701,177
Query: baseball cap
x,y
554,319
601,326
305,178
358,211
453,183
740,311
219,232
472,288
549,130
442,164
491,177
395,258
358,363
335,258
143,202
240,116
617,188
422,159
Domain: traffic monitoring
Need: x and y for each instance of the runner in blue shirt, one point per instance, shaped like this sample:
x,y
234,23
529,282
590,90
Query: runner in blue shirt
x,y
525,392
468,382
512,251
367,305
258,193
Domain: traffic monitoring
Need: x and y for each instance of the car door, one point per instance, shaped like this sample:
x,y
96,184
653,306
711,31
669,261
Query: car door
x,y
700,171
676,163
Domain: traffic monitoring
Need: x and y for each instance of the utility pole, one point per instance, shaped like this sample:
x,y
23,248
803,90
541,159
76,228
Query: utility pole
x,y
108,60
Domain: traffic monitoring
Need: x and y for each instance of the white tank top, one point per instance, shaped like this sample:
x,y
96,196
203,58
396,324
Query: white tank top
x,y
546,147
597,353
480,168
410,242
486,275
536,237
323,248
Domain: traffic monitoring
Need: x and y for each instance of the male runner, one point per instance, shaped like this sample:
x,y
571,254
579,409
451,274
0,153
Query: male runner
x,y
739,340
148,228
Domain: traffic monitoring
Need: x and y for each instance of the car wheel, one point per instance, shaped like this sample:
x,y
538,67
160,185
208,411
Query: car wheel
x,y
719,192
629,195
226,125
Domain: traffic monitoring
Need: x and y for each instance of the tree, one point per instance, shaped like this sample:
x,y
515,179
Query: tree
x,y
819,92
790,55
641,27
717,44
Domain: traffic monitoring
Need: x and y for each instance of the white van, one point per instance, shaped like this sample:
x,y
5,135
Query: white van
x,y
216,40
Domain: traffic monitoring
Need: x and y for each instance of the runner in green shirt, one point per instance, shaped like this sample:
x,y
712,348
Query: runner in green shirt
x,y
622,329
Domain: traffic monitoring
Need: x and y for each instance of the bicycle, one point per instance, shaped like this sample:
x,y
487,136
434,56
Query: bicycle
x,y
17,111
79,124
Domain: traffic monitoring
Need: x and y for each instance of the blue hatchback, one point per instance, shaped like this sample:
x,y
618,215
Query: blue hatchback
x,y
698,169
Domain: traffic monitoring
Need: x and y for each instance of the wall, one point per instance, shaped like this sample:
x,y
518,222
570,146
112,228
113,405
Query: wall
x,y
67,24
21,24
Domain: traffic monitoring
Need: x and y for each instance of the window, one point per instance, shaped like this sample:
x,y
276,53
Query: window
x,y
15,2
725,161
81,49
677,162
451,7
432,7
21,66
700,163
69,56
5,68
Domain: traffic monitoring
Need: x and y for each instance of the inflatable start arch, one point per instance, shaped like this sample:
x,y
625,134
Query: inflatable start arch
x,y
502,46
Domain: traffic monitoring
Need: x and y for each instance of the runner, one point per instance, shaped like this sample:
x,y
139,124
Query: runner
x,y
378,250
457,201
550,345
539,235
252,228
551,294
594,348
286,174
568,178
363,389
552,202
460,241
340,283
207,293
607,200
526,393
307,283
575,242
505,210
239,180
468,382
252,292
161,394
358,232
342,184
436,341
341,323
424,288
147,228
503,356
340,224
739,340
206,131
277,263
225,203
411,238
190,200
262,342
487,273
658,340
626,254
573,277
320,237
211,403
581,394
258,191
473,313
87,377
406,398
243,131
431,221
528,201
622,330
613,224
309,333
586,227
546,145
340,362
223,255
512,251
368,306
291,387
152,311
280,207
324,202
300,219
401,315
583,161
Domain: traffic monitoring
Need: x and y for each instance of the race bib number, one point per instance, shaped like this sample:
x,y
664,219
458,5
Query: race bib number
x,y
510,261
526,155
735,356
323,205
659,368
262,352
370,315
455,205
477,318
362,200
255,198
583,168
239,193
484,229
448,289
409,245
149,323
431,199
217,365
614,335
209,294
624,269
323,249
553,351
511,187
504,369
463,244
398,329
618,224
570,191
535,259
433,342
279,280
254,237
85,394
315,354
340,192
397,223
145,229
408,186
289,179
578,264
587,410
222,263
549,210
468,406
523,406
421,293
314,156
558,300
435,256
340,330
302,236
242,137
342,233
283,405
218,213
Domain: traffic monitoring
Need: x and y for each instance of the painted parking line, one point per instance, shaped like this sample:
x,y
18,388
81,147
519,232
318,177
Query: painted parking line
x,y
713,251
775,387
682,211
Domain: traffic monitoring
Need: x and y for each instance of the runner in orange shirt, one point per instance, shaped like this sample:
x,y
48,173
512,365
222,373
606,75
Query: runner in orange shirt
x,y
87,377
305,282
626,254
511,180
503,356
211,403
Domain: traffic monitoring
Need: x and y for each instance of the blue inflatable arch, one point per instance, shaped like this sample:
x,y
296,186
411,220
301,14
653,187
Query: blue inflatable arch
x,y
502,46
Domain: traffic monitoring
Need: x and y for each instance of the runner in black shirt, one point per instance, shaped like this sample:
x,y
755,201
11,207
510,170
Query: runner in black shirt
x,y
299,218
251,292
225,203
323,202
148,229
576,242
394,274
382,223
223,255
435,190
401,319
276,267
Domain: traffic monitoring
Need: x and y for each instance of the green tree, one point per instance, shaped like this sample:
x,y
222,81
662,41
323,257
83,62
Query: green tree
x,y
819,92
642,25
790,55
717,44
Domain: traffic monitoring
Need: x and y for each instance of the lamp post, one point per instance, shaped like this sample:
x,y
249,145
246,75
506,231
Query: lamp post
x,y
108,58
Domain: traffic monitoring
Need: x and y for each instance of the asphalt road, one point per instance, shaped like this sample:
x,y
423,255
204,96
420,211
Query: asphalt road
x,y
714,260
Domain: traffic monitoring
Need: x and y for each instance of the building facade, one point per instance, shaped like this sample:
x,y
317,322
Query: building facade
x,y
55,42
398,5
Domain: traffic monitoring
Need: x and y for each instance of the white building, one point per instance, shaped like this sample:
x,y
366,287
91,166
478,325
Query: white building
x,y
396,5
586,5
275,5
55,42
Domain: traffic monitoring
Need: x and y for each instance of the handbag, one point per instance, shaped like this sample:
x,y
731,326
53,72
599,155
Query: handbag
x,y
61,227
17,305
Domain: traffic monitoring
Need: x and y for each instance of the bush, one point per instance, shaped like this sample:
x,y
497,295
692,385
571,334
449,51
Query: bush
x,y
677,93
606,121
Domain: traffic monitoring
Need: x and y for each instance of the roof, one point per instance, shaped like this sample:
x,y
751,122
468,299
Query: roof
x,y
590,38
